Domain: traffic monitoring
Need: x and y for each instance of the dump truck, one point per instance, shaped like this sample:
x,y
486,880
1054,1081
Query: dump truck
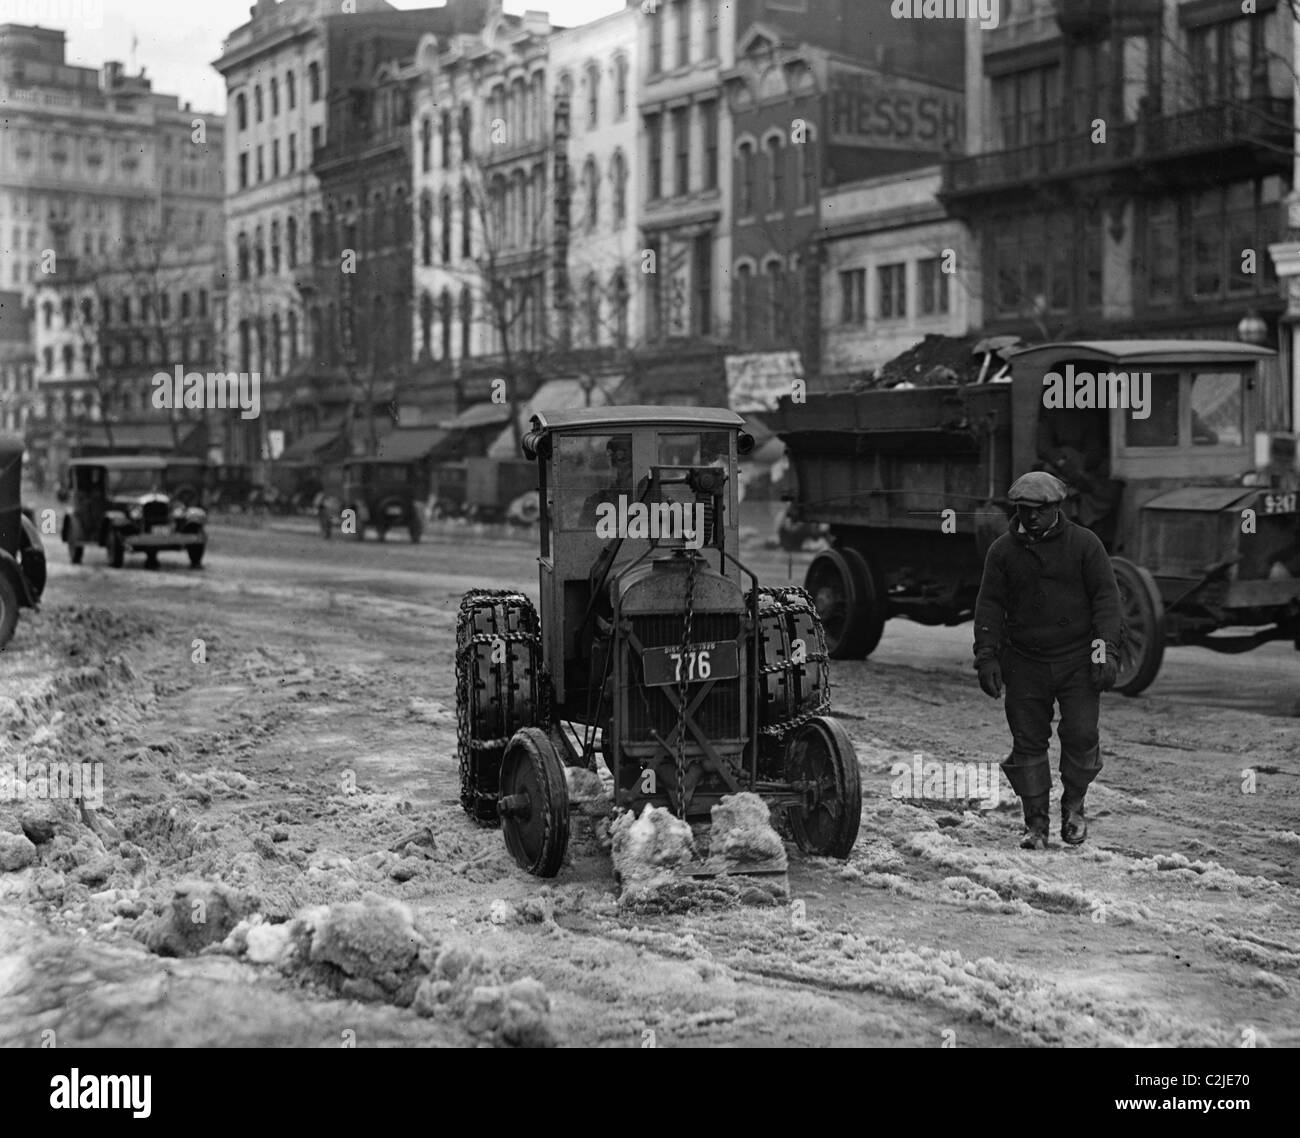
x,y
1176,453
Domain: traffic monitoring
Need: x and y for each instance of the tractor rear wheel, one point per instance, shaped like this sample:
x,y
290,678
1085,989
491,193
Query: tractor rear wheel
x,y
820,753
1142,615
499,688
850,601
534,803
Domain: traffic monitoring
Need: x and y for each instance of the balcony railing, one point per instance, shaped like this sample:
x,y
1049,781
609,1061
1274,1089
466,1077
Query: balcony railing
x,y
1202,130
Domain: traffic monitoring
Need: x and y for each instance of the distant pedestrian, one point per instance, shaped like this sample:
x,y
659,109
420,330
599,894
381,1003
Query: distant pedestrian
x,y
1047,597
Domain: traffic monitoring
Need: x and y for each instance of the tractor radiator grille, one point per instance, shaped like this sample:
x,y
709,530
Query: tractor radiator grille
x,y
652,709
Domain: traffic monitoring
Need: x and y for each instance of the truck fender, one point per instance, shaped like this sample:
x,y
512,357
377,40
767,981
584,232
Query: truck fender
x,y
10,570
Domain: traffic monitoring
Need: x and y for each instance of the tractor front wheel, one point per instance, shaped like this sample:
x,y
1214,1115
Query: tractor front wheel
x,y
820,756
534,803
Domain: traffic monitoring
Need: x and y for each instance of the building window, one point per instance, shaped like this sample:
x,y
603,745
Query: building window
x,y
745,180
47,358
702,277
466,221
466,151
444,205
466,321
620,293
275,97
259,255
892,281
853,296
775,174
444,312
290,90
242,258
315,141
1027,106
243,171
806,153
275,245
203,303
444,135
261,166
275,158
591,306
241,111
681,151
618,175
593,96
426,228
620,88
683,15
257,103
426,144
934,287
1226,57
744,303
313,81
654,132
656,60
655,294
709,117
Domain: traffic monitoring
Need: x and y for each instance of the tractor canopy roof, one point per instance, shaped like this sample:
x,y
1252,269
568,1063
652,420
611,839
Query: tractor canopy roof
x,y
603,418
1142,351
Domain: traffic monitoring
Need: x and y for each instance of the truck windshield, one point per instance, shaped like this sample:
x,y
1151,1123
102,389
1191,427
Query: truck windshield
x,y
134,481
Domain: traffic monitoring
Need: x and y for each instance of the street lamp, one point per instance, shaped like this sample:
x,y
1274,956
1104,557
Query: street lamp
x,y
1252,329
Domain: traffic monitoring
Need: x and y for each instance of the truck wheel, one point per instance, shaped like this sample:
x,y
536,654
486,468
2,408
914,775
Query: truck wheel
x,y
534,803
116,549
196,555
151,560
846,593
1142,623
8,611
494,697
76,552
416,529
819,752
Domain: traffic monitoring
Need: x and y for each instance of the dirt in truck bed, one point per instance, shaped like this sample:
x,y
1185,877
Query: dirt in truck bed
x,y
277,855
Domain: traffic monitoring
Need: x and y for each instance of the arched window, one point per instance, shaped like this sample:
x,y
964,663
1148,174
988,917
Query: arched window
x,y
744,303
593,95
808,174
619,290
775,173
591,184
444,309
466,221
426,325
291,243
444,204
426,144
275,97
519,115
313,81
745,180
257,103
466,321
618,175
241,111
591,303
426,228
620,87
776,316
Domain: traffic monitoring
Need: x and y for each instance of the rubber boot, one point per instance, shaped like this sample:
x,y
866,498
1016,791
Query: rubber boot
x,y
1032,781
1037,822
1077,772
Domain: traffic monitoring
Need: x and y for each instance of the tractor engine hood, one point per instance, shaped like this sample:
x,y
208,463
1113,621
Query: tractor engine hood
x,y
656,587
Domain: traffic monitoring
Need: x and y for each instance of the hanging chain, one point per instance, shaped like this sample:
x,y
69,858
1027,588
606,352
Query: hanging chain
x,y
683,687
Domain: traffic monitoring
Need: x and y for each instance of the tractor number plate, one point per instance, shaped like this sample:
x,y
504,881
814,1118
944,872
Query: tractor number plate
x,y
1279,503
718,660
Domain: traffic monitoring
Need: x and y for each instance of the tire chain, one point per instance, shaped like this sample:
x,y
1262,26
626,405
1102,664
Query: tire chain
x,y
803,606
465,642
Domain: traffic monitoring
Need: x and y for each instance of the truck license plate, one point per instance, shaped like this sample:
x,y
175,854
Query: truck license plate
x,y
1279,503
718,660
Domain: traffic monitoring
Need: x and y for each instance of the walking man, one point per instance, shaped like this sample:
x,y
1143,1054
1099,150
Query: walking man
x,y
1047,626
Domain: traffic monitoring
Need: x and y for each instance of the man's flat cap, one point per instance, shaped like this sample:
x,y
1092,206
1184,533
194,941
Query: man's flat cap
x,y
1038,487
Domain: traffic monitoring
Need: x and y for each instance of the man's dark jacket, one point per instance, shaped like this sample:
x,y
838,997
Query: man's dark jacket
x,y
1048,598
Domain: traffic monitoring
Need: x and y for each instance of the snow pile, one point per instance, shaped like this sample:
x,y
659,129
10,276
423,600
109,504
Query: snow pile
x,y
648,848
742,830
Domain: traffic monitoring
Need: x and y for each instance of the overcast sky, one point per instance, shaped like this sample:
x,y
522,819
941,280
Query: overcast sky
x,y
179,39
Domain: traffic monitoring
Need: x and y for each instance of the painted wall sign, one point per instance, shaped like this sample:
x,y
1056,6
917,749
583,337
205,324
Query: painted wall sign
x,y
871,110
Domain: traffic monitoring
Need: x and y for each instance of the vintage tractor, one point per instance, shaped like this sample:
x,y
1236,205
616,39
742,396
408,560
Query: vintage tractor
x,y
650,651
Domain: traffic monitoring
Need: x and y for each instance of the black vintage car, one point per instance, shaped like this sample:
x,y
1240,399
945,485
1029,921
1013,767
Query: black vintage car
x,y
382,495
22,556
120,503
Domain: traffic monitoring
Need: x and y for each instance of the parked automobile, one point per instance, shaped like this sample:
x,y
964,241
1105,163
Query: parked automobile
x,y
22,555
119,503
381,494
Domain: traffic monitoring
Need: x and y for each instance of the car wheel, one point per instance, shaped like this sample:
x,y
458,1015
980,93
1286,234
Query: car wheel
x,y
381,534
196,555
76,552
116,549
151,561
8,611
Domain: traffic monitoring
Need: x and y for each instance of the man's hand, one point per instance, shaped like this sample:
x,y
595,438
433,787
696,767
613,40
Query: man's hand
x,y
1104,675
991,678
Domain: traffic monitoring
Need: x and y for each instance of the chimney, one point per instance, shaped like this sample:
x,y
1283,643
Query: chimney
x,y
537,23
